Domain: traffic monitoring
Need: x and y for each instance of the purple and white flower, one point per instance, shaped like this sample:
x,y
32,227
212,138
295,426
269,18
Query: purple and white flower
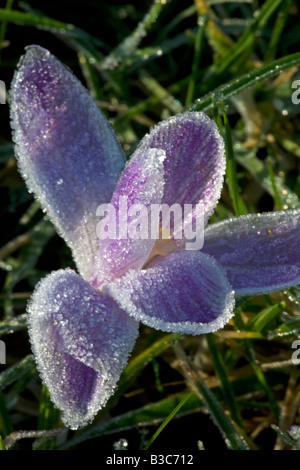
x,y
83,326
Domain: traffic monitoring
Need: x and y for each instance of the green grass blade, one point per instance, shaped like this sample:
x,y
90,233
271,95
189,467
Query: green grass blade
x,y
236,85
20,385
48,415
280,23
265,317
233,439
131,42
41,21
27,259
220,42
3,27
277,199
91,77
173,105
6,426
231,176
248,38
146,415
225,383
259,169
256,368
289,327
287,439
144,56
150,413
202,22
13,16
229,432
11,326
48,418
148,354
16,371
175,21
167,420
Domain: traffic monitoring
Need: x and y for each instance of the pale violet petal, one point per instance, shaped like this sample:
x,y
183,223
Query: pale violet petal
x,y
81,343
260,252
194,166
66,150
139,188
186,292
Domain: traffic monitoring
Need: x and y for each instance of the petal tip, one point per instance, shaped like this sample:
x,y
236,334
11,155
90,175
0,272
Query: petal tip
x,y
34,50
81,342
186,292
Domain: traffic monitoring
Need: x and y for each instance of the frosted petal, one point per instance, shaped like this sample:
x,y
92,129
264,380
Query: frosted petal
x,y
195,161
186,292
260,252
141,182
81,342
66,150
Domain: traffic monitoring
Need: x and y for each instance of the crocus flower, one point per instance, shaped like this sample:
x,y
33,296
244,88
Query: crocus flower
x,y
83,326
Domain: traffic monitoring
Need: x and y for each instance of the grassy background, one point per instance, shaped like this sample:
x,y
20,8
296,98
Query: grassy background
x,y
143,62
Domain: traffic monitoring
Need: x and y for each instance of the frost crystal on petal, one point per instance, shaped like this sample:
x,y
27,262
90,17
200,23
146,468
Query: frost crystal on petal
x,y
81,342
141,184
186,292
260,252
195,161
66,149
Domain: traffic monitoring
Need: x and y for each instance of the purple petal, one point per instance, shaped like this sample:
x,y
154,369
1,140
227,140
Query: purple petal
x,y
81,342
260,252
195,160
187,292
141,182
66,149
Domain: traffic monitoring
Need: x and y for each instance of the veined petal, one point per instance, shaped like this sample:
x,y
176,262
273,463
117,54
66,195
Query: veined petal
x,y
66,149
195,162
186,292
260,252
81,342
139,187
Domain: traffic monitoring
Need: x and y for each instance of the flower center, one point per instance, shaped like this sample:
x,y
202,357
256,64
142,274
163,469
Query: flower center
x,y
161,248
